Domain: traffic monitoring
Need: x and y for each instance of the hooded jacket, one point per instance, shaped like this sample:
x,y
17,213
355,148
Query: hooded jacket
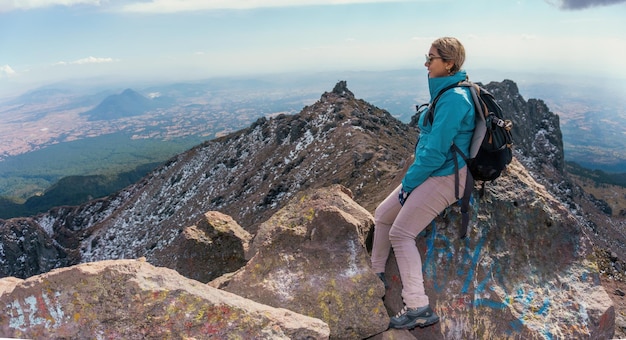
x,y
453,123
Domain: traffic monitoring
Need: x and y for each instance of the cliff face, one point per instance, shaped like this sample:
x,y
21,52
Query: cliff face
x,y
528,257
536,132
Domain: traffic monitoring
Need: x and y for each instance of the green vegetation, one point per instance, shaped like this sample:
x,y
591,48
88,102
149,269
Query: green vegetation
x,y
101,165
597,176
73,190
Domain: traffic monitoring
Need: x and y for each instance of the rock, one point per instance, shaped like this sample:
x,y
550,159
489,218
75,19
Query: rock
x,y
310,257
8,283
215,245
523,272
128,299
26,249
341,88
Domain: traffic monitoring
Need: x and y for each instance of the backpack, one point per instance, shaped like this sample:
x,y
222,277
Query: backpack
x,y
490,149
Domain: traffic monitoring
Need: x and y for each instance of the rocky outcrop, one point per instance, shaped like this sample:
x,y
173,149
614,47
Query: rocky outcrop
x,y
536,131
128,299
212,247
26,249
310,257
526,271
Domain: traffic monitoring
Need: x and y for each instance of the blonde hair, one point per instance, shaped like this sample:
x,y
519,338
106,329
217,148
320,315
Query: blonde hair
x,y
451,49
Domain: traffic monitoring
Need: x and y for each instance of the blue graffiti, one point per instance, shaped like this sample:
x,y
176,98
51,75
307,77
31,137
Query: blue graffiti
x,y
489,303
440,249
471,262
445,250
430,265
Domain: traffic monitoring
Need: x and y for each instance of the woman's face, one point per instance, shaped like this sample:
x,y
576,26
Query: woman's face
x,y
436,66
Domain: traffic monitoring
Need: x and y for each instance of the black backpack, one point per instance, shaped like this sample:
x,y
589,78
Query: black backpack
x,y
491,147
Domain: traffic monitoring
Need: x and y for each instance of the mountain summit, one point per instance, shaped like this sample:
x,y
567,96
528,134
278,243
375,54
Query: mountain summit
x,y
525,270
126,104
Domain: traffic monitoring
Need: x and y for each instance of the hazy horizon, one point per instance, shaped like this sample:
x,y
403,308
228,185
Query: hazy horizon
x,y
162,41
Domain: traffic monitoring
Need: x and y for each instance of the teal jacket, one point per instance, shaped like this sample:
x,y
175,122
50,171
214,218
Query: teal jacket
x,y
453,122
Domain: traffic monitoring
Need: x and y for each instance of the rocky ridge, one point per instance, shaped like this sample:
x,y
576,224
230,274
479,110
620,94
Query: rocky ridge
x,y
251,174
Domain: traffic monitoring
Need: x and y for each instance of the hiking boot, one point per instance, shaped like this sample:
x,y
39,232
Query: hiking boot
x,y
381,276
409,318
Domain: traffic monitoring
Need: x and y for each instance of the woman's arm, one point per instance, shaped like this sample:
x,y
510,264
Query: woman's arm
x,y
433,148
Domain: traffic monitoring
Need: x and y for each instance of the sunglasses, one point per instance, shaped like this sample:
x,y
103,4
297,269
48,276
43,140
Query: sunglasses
x,y
429,59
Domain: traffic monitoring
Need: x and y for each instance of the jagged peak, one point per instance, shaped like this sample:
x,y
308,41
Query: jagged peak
x,y
340,90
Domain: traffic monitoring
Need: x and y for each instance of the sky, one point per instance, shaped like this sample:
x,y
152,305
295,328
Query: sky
x,y
44,42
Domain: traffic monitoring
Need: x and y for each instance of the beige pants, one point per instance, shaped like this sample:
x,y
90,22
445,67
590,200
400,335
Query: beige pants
x,y
398,226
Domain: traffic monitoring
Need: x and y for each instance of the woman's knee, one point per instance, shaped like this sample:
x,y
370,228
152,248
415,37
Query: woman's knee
x,y
378,213
385,215
398,235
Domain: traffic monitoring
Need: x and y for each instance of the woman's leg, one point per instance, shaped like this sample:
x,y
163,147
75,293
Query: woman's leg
x,y
384,216
422,206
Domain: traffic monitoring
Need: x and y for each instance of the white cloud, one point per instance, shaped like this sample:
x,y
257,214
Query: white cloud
x,y
168,6
7,71
88,60
93,60
9,5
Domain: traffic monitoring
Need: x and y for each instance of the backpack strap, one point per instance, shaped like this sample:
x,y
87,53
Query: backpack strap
x,y
479,133
430,114
481,122
465,203
467,192
469,179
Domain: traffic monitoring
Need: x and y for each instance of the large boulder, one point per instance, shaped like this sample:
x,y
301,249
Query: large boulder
x,y
213,246
526,271
130,299
310,257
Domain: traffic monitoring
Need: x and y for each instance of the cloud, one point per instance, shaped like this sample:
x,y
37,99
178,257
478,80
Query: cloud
x,y
7,71
168,6
582,4
10,5
88,60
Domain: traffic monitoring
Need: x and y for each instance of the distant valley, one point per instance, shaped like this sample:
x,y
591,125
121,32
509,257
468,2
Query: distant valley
x,y
55,132
49,134
593,119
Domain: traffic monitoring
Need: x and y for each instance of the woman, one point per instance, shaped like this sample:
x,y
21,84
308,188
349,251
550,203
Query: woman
x,y
428,186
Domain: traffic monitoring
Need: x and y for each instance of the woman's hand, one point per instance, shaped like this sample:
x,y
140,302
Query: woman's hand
x,y
402,196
